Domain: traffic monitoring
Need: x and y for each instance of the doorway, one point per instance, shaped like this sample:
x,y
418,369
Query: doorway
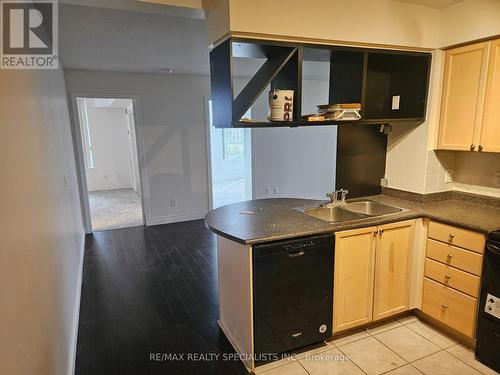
x,y
230,163
112,180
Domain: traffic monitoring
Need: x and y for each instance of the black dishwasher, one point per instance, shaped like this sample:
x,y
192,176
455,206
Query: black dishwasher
x,y
488,317
293,293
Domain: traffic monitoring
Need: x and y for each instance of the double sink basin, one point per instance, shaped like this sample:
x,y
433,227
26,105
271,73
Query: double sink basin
x,y
334,213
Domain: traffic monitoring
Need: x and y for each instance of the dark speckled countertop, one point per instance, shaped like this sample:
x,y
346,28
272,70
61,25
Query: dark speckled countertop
x,y
265,220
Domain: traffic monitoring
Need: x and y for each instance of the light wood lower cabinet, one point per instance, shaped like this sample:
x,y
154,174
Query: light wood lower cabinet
x,y
392,269
457,257
353,278
451,307
452,276
371,273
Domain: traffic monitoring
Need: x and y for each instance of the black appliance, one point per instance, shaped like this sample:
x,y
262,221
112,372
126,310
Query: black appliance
x,y
293,294
488,320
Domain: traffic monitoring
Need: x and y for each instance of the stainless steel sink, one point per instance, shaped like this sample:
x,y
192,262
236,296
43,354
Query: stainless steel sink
x,y
332,214
370,208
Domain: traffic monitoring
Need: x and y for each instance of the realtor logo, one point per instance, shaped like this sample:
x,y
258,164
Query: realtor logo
x,y
28,34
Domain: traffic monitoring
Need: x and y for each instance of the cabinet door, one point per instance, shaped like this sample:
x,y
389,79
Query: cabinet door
x,y
392,266
463,97
490,131
353,278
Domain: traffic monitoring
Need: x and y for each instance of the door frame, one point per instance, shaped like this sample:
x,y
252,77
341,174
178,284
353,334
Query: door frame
x,y
209,154
79,157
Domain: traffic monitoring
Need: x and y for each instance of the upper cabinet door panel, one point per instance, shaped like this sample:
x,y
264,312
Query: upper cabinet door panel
x,y
490,133
463,96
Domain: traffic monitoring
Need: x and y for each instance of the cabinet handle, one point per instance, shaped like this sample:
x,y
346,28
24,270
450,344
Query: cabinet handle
x,y
448,258
472,147
447,278
451,237
381,232
444,307
375,233
480,148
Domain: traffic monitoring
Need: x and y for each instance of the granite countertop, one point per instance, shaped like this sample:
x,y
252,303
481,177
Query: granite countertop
x,y
265,220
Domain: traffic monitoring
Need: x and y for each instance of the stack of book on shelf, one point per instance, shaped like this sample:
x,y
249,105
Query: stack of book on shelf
x,y
336,112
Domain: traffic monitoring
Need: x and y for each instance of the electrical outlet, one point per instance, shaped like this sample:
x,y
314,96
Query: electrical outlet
x,y
384,182
66,181
173,202
448,176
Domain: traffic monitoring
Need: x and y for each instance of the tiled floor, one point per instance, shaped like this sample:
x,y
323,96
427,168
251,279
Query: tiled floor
x,y
404,346
112,209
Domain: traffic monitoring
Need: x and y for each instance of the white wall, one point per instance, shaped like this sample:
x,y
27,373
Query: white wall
x,y
469,20
408,144
40,226
171,109
111,148
295,162
369,21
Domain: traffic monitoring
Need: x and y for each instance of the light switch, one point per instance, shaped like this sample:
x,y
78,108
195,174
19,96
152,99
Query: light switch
x,y
395,102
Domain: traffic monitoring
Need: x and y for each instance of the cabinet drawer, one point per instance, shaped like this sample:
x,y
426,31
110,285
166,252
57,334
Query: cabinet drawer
x,y
457,236
450,307
454,256
452,277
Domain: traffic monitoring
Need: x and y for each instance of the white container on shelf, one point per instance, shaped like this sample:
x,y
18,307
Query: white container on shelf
x,y
281,105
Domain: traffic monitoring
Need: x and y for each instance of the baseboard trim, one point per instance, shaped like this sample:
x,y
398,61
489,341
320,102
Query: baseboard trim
x,y
176,218
76,314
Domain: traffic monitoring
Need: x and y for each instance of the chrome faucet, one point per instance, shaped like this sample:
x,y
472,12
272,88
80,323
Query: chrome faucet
x,y
343,195
334,196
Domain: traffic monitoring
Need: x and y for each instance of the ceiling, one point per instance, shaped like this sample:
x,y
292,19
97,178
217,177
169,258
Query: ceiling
x,y
438,4
122,40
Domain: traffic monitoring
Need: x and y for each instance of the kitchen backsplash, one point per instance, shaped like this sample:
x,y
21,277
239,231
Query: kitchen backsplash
x,y
470,171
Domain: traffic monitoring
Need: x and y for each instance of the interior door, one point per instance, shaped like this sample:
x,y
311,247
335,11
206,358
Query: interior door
x,y
490,132
463,97
392,266
353,278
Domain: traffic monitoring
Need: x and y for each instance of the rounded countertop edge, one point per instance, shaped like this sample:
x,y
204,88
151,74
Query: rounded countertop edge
x,y
283,205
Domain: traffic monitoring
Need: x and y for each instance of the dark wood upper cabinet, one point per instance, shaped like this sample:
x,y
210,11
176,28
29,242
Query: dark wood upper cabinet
x,y
396,86
390,85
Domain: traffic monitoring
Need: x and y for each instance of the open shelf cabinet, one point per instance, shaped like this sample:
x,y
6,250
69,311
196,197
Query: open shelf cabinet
x,y
390,85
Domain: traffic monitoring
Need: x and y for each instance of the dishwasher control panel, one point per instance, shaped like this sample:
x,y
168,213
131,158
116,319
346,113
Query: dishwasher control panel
x,y
492,305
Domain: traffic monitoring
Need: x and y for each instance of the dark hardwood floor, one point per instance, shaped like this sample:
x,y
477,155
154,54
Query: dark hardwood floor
x,y
151,292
